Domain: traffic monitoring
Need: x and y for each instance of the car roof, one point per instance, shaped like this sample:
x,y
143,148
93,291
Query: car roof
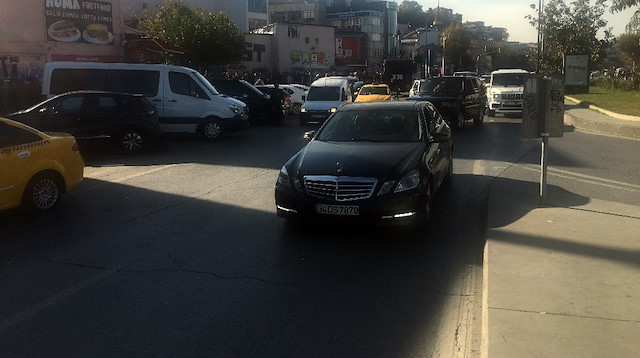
x,y
330,81
383,105
100,92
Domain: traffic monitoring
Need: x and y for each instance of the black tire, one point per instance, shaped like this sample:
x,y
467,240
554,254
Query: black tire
x,y
480,118
424,215
211,129
295,109
131,141
459,121
448,179
42,193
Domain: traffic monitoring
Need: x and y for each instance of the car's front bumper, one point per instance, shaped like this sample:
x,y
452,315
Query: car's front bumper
x,y
392,208
236,123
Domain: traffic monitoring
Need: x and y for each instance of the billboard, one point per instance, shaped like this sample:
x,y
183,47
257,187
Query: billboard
x,y
79,21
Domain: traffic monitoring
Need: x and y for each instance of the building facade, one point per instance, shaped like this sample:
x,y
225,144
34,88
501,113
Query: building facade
x,y
53,30
246,14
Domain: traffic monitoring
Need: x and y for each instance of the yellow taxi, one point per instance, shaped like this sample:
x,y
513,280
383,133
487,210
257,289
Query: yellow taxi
x,y
371,93
36,168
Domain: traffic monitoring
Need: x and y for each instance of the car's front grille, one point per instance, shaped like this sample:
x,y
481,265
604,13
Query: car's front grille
x,y
339,188
512,96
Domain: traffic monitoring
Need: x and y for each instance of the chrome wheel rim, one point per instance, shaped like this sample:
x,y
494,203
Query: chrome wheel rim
x,y
132,142
212,130
45,194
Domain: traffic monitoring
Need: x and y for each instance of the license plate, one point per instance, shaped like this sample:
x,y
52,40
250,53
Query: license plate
x,y
511,103
338,209
317,116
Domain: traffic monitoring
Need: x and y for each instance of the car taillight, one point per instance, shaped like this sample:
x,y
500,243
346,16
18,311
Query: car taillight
x,y
75,147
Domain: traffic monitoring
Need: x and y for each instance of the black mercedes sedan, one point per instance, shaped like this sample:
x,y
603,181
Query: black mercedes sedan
x,y
375,162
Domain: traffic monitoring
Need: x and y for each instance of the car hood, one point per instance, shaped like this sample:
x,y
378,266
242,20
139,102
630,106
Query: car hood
x,y
357,159
320,105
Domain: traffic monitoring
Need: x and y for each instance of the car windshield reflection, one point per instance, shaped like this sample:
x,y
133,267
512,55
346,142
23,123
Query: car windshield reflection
x,y
370,126
442,85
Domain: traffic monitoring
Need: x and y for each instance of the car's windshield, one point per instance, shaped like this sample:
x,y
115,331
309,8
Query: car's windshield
x,y
387,125
508,79
442,85
318,93
205,83
374,90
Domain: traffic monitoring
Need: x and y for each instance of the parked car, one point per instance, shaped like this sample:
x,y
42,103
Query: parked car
x,y
285,99
259,103
37,167
457,98
131,121
185,100
374,162
377,92
297,95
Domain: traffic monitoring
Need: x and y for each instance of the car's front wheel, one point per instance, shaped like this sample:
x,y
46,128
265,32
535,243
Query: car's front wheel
x,y
131,141
212,129
43,192
424,215
478,120
459,122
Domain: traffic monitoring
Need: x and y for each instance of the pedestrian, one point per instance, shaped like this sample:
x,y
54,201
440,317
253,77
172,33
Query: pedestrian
x,y
277,111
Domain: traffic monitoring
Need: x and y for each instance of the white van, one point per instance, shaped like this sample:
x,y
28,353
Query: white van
x,y
185,100
325,96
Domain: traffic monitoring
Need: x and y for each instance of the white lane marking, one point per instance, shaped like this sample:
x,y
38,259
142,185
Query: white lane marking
x,y
584,178
125,178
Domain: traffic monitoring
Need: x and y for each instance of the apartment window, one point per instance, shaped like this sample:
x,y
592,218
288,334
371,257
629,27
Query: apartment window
x,y
347,53
376,21
317,41
308,15
375,37
293,32
306,40
259,6
278,16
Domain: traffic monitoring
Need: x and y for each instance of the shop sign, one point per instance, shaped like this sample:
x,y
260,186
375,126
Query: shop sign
x,y
78,21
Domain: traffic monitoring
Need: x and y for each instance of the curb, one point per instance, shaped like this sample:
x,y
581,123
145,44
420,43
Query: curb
x,y
609,122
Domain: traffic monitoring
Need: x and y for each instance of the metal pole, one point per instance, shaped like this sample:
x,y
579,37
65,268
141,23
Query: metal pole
x,y
539,35
543,166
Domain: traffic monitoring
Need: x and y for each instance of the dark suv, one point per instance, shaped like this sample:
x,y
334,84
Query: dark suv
x,y
259,103
457,98
129,120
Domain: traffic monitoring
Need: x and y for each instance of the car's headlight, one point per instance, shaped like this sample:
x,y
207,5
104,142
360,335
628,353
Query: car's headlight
x,y
332,110
409,181
283,177
496,96
235,109
303,110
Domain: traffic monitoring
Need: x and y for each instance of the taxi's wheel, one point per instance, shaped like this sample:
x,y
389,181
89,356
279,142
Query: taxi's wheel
x,y
42,193
131,141
212,130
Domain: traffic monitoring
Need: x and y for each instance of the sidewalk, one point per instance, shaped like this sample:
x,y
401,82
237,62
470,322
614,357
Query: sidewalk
x,y
561,279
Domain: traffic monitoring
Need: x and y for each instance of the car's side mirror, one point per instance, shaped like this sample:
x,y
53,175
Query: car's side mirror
x,y
309,135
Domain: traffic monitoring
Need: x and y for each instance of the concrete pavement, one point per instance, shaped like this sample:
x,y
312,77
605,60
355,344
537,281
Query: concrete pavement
x,y
562,279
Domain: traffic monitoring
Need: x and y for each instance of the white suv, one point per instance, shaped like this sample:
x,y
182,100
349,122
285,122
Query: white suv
x,y
505,91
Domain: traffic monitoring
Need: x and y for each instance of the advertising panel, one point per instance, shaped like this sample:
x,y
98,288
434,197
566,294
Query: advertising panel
x,y
78,21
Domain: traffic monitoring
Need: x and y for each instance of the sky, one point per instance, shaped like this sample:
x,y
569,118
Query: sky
x,y
510,14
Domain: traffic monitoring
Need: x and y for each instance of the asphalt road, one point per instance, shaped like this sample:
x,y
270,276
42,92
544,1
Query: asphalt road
x,y
178,252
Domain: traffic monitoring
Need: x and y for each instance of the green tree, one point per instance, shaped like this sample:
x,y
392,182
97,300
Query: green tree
x,y
410,12
456,49
629,46
571,30
207,39
619,5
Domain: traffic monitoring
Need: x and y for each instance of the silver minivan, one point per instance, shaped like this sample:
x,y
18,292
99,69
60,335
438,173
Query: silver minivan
x,y
185,100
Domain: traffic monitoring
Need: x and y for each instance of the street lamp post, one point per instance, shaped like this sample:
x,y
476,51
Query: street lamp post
x,y
444,52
